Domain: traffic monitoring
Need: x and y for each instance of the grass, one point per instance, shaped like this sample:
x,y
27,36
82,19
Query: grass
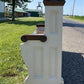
x,y
12,67
78,18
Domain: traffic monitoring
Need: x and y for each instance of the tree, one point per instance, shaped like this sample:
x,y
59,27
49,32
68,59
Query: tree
x,y
24,6
15,3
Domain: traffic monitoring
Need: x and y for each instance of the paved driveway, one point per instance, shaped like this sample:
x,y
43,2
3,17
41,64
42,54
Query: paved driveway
x,y
73,52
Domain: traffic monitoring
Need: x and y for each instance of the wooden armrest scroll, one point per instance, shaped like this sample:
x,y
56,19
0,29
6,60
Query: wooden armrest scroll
x,y
40,37
40,25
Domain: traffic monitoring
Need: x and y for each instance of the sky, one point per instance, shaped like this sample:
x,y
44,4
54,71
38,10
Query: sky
x,y
67,9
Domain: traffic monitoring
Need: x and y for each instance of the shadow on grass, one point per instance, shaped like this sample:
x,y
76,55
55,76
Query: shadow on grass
x,y
73,68
18,22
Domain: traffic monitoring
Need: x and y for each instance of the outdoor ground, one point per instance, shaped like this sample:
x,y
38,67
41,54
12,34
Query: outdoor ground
x,y
12,68
73,52
76,18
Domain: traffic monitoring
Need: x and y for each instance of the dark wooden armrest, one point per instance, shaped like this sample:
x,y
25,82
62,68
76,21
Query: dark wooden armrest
x,y
40,25
54,2
40,37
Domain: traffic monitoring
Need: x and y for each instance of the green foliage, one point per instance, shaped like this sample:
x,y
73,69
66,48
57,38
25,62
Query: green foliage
x,y
15,3
78,18
12,67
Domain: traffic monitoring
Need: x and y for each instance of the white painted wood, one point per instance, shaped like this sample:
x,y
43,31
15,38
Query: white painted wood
x,y
2,7
44,60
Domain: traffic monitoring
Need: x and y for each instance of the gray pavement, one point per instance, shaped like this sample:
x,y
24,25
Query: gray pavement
x,y
73,52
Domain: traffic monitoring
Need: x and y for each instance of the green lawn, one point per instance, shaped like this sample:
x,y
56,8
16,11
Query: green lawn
x,y
12,68
78,18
